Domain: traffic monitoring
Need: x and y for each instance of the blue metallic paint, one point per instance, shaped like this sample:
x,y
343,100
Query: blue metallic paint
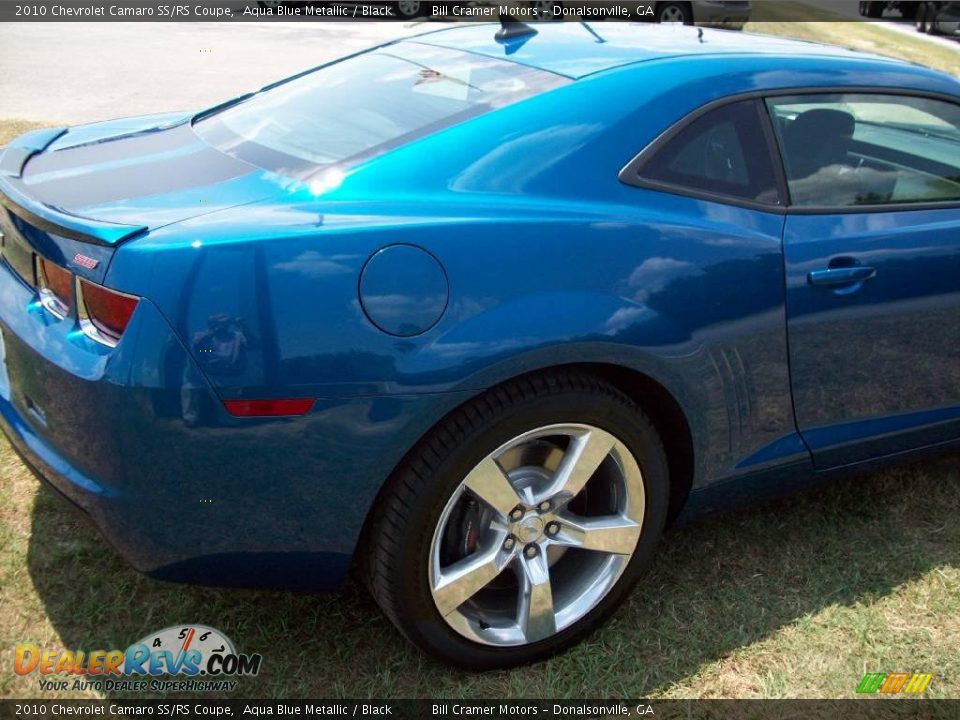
x,y
874,363
403,290
550,260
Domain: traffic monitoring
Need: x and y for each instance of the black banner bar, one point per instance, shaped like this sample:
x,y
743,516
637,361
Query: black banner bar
x,y
730,13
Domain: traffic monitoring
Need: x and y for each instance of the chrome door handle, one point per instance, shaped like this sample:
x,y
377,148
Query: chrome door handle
x,y
841,275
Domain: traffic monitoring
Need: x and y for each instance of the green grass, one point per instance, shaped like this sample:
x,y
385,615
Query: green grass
x,y
797,598
770,19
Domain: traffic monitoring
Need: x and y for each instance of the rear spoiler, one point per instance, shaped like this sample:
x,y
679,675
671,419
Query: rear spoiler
x,y
15,197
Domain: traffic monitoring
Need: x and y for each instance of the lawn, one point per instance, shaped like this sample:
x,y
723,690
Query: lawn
x,y
800,597
796,598
867,37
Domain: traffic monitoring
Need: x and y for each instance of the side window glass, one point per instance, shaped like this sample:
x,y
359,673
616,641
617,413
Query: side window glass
x,y
723,152
856,149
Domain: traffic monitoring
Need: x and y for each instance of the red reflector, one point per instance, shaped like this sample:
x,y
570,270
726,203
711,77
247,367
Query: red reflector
x,y
108,311
268,408
58,281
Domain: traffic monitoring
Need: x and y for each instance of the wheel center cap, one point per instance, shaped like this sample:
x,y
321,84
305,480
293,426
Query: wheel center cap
x,y
530,529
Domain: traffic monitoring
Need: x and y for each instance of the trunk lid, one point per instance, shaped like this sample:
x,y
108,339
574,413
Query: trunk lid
x,y
108,182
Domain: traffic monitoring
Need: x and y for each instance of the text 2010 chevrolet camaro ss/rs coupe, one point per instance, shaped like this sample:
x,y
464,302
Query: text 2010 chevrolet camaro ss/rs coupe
x,y
484,310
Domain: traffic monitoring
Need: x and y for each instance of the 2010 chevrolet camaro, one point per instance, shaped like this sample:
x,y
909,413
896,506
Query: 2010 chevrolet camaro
x,y
485,311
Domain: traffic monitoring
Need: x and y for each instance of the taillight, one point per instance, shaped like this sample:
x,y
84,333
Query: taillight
x,y
54,287
104,313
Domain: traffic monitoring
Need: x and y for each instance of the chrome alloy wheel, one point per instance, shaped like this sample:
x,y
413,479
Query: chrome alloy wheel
x,y
536,535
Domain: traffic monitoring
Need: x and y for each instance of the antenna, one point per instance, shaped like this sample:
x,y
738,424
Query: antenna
x,y
511,28
593,32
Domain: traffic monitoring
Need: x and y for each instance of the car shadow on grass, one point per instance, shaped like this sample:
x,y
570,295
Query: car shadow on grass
x,y
724,583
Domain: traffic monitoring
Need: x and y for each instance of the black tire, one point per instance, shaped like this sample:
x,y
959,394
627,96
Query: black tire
x,y
875,9
674,12
410,9
398,540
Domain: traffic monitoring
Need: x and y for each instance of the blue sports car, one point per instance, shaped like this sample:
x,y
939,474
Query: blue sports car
x,y
483,310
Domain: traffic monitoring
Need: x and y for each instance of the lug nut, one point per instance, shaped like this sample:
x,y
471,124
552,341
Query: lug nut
x,y
509,543
544,506
530,550
516,513
553,528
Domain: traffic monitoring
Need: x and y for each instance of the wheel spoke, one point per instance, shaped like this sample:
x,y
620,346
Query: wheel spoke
x,y
489,483
580,462
536,615
613,534
459,582
524,491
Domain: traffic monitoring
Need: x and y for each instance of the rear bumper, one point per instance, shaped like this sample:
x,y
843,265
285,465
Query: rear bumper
x,y
137,439
81,492
298,570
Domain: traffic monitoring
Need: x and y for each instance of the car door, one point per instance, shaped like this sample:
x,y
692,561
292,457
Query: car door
x,y
872,254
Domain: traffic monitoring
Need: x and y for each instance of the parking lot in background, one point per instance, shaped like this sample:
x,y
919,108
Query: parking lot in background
x,y
107,70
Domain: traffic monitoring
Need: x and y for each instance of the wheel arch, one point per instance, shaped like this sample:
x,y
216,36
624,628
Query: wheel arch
x,y
667,416
659,404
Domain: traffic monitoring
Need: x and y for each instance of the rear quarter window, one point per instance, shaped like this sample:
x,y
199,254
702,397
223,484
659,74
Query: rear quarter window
x,y
722,154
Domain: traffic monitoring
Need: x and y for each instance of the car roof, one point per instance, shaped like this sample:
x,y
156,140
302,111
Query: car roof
x,y
579,49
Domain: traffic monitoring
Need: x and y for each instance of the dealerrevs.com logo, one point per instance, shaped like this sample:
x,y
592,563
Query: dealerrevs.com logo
x,y
200,658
